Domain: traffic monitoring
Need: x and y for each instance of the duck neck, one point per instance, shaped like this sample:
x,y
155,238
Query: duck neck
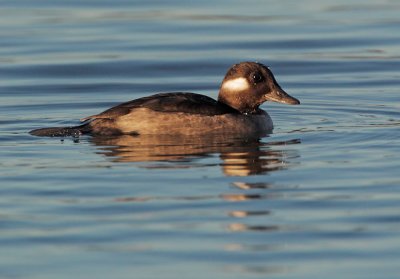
x,y
237,102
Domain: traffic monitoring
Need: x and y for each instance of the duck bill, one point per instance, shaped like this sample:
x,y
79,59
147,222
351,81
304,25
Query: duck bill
x,y
279,96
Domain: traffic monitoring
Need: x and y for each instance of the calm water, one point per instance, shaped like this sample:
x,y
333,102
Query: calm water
x,y
318,198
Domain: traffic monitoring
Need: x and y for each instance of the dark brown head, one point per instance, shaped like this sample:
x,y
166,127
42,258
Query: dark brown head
x,y
249,84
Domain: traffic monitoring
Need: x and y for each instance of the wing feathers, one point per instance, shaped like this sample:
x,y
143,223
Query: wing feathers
x,y
168,102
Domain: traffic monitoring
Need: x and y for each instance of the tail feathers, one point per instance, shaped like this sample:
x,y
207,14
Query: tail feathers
x,y
59,131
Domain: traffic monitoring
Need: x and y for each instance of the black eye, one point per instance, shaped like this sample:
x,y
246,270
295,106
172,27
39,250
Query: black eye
x,y
257,78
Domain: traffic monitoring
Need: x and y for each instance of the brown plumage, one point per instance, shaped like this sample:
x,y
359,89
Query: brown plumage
x,y
245,87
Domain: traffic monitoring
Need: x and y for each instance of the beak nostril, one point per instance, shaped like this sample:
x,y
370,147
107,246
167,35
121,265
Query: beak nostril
x,y
280,96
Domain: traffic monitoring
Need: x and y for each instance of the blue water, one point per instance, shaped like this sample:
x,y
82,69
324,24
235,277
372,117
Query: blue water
x,y
318,198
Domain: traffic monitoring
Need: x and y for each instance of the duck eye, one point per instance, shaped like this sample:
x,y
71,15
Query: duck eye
x,y
257,77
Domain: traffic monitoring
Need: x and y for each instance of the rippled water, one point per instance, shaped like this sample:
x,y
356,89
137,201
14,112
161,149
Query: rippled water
x,y
318,198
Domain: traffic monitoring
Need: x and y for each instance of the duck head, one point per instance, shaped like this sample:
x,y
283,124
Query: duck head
x,y
249,84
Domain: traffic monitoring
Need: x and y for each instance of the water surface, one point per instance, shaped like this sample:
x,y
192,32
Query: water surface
x,y
317,198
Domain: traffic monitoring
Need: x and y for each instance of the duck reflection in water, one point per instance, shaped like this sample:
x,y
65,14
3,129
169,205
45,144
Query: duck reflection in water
x,y
239,156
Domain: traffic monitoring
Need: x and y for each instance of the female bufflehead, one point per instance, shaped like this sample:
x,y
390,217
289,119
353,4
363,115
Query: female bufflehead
x,y
245,87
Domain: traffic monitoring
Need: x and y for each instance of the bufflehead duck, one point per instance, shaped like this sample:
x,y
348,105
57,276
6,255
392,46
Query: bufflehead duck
x,y
245,87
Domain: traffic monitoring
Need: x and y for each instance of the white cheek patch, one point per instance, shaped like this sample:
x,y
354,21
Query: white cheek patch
x,y
236,84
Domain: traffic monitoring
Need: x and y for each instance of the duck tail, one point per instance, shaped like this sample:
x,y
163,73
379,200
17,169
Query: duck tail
x,y
74,131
